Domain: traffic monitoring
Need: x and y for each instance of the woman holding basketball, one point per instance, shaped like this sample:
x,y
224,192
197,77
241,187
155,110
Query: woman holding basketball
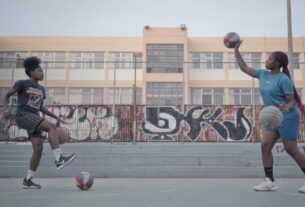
x,y
30,103
277,89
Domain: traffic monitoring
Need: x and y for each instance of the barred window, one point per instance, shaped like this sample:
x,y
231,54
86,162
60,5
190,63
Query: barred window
x,y
10,60
164,58
87,60
55,96
159,93
207,96
125,60
252,59
51,60
210,60
13,99
296,60
240,96
86,96
125,95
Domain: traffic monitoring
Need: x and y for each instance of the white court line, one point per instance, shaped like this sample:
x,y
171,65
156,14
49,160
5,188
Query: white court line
x,y
169,190
301,195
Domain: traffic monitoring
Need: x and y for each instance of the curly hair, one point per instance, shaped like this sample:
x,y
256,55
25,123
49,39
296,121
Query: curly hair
x,y
30,64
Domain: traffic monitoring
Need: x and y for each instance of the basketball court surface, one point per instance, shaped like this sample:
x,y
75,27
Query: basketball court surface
x,y
148,192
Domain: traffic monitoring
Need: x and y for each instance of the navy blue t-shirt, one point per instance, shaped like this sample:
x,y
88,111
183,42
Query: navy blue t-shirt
x,y
30,96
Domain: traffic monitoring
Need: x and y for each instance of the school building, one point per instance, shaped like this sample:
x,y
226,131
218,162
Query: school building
x,y
164,65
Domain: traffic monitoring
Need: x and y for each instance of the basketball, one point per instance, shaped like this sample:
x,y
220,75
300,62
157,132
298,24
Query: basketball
x,y
231,39
63,135
270,117
84,180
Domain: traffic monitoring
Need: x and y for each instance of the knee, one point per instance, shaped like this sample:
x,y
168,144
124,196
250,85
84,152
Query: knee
x,y
51,127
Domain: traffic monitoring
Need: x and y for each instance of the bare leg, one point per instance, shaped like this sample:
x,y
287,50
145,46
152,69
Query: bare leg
x,y
52,133
292,149
37,144
268,141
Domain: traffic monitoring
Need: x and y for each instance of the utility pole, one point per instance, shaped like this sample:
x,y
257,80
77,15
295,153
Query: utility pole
x,y
290,44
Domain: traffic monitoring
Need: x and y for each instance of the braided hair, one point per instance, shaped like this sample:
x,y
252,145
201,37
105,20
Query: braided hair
x,y
282,58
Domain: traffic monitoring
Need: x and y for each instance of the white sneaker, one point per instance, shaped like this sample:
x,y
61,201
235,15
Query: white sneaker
x,y
267,185
302,189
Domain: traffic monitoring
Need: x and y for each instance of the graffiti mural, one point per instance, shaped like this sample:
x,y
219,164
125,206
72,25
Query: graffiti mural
x,y
161,122
87,123
94,123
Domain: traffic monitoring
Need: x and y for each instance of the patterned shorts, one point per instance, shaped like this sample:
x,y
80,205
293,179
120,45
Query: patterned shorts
x,y
29,121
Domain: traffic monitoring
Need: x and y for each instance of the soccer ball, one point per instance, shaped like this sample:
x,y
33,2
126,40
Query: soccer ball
x,y
84,180
270,117
231,39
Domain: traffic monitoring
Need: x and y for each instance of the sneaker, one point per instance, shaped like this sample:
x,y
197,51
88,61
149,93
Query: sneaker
x,y
64,161
267,185
28,183
302,189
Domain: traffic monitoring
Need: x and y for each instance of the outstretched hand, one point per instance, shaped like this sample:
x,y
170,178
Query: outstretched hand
x,y
238,44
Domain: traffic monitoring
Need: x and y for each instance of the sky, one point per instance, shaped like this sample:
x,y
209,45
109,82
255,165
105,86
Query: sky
x,y
203,18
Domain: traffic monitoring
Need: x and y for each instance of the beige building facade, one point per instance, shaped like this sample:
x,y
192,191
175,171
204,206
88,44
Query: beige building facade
x,y
166,66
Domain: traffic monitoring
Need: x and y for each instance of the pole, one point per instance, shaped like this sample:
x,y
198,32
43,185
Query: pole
x,y
113,104
290,46
46,75
135,100
253,109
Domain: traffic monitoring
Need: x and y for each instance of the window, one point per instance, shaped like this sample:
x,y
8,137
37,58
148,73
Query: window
x,y
121,60
243,96
252,59
2,91
86,96
207,96
296,60
125,95
257,97
164,93
206,60
12,59
87,60
55,96
51,60
13,99
164,58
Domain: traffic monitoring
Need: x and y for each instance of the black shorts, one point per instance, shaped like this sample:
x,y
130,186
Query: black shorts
x,y
29,121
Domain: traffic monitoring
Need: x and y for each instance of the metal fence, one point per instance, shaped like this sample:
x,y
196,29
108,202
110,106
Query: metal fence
x,y
97,123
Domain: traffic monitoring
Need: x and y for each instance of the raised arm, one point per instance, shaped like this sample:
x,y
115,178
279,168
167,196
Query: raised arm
x,y
5,111
7,95
241,63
